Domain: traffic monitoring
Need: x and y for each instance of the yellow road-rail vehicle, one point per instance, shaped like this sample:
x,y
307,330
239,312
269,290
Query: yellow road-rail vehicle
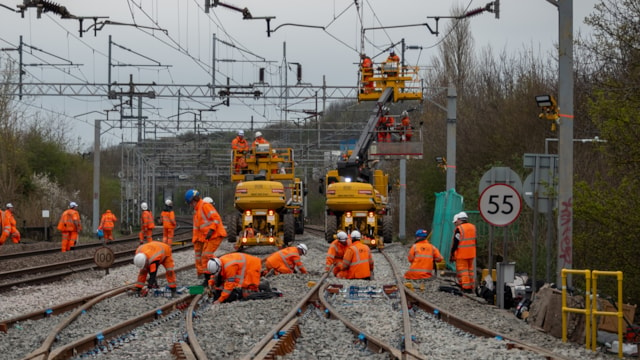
x,y
268,198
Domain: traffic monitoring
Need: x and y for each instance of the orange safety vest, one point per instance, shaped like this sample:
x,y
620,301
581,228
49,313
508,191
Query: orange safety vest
x,y
158,253
285,261
357,261
168,219
240,143
107,222
147,220
205,218
70,221
422,256
367,66
258,141
238,270
467,244
335,254
6,227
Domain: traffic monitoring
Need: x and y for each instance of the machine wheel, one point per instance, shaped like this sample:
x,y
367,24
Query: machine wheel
x,y
289,229
387,229
330,228
299,224
232,228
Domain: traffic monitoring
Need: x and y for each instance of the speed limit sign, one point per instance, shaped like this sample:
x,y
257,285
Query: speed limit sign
x,y
500,204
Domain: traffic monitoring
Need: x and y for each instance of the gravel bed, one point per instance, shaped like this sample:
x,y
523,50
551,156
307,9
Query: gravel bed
x,y
228,330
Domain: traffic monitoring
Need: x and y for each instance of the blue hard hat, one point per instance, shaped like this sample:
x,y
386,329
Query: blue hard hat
x,y
421,233
190,194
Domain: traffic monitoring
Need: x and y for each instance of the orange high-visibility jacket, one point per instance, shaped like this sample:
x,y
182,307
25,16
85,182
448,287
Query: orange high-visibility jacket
x,y
422,256
335,254
168,219
12,221
205,218
357,261
285,261
158,253
238,270
240,143
466,248
6,228
107,222
147,220
70,221
367,66
257,142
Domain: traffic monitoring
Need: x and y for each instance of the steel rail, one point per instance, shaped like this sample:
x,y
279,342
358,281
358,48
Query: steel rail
x,y
476,329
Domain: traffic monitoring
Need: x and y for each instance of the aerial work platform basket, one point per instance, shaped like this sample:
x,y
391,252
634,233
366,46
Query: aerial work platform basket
x,y
406,83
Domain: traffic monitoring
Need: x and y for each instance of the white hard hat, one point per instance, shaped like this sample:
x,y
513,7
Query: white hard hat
x,y
355,234
258,134
240,132
168,202
9,206
214,265
460,216
207,199
303,248
405,113
342,236
144,206
140,260
73,204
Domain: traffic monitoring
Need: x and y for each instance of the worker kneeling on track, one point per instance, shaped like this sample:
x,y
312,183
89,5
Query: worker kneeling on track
x,y
236,276
148,258
357,262
336,251
285,261
422,256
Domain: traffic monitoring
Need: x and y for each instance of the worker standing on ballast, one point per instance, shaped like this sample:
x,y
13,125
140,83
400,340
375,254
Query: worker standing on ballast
x,y
208,232
148,258
14,234
422,256
286,261
70,225
463,251
147,224
168,222
107,223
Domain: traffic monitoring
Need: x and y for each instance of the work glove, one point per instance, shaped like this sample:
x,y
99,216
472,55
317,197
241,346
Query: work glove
x,y
372,277
209,234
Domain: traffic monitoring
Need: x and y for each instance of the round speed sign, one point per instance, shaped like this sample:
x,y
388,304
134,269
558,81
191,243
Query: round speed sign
x,y
500,204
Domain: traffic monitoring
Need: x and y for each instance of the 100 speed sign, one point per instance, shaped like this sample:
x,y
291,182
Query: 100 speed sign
x,y
500,204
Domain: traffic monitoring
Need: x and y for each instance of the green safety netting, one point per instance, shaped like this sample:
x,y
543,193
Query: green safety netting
x,y
447,204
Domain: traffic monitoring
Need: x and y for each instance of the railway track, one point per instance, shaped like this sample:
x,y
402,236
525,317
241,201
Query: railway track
x,y
377,319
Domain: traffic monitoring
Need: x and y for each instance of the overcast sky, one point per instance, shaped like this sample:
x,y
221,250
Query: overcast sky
x,y
185,51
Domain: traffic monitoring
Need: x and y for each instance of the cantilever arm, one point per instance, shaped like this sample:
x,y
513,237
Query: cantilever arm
x,y
290,24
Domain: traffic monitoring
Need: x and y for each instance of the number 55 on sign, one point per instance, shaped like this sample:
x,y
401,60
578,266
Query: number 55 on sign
x,y
500,204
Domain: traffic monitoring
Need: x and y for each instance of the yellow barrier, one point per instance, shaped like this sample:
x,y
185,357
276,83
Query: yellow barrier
x,y
591,307
587,309
596,312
